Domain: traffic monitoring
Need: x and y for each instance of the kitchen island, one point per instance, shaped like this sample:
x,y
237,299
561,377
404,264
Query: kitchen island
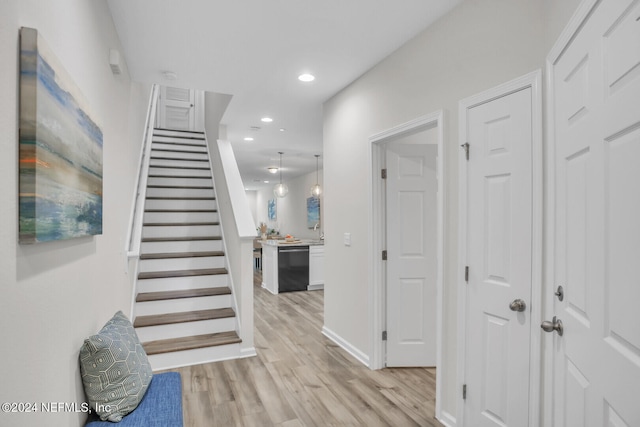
x,y
292,266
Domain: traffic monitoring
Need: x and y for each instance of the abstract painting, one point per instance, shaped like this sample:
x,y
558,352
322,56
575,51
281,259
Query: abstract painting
x,y
271,209
313,212
60,144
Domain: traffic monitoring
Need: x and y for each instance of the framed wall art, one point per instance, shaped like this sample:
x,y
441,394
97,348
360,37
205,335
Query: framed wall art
x,y
313,212
272,210
60,146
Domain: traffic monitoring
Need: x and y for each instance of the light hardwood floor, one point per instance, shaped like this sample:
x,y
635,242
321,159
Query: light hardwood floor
x,y
301,378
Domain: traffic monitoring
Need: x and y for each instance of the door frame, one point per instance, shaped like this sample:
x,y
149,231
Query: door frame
x,y
582,13
531,80
377,221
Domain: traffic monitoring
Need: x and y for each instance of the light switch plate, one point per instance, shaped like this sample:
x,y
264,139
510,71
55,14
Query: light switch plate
x,y
347,239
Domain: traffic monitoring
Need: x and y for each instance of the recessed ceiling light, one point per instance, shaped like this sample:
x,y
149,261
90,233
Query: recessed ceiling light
x,y
266,182
267,119
272,170
248,138
282,129
306,77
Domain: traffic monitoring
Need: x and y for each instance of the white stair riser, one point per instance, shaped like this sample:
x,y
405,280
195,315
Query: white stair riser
x,y
181,217
180,163
179,192
192,182
186,246
175,330
178,155
181,231
180,204
179,172
184,304
177,136
191,148
175,264
182,283
179,139
198,356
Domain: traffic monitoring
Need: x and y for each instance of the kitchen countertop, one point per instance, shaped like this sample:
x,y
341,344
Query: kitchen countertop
x,y
283,243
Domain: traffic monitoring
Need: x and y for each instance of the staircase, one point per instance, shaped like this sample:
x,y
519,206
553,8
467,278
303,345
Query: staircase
x,y
184,311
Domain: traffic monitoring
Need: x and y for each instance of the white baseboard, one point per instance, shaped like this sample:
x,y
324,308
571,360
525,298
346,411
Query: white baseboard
x,y
248,352
447,419
346,346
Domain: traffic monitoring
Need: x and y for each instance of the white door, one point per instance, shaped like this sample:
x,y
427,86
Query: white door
x,y
176,108
499,257
596,138
411,199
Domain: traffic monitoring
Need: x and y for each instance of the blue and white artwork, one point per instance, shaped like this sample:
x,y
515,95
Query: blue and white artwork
x,y
313,212
271,209
60,150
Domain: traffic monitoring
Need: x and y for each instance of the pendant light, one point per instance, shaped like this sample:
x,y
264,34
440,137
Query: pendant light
x,y
280,190
316,190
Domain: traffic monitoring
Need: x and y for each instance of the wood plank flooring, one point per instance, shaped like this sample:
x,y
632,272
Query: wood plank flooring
x,y
301,378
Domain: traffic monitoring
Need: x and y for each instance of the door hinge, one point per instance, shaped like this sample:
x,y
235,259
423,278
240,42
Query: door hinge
x,y
464,391
466,274
384,335
384,255
383,174
466,149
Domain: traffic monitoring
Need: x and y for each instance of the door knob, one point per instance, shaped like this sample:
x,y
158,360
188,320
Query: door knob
x,y
517,305
555,325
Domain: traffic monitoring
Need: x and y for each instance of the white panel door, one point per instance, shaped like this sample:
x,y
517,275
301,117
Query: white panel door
x,y
176,109
499,256
596,116
412,253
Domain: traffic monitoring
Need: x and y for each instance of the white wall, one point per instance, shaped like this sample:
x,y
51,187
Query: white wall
x,y
252,200
480,44
291,210
53,295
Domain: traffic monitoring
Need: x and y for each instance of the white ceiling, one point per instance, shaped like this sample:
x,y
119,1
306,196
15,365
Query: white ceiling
x,y
254,50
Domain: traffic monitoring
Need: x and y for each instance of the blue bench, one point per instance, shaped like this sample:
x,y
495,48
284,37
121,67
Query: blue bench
x,y
161,405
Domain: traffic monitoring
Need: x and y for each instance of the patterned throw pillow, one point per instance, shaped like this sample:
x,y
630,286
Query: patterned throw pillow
x,y
115,370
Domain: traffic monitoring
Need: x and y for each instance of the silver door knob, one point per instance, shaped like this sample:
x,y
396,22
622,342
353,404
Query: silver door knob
x,y
554,325
517,305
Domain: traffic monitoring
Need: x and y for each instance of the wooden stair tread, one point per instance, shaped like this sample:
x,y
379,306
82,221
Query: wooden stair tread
x,y
179,210
181,273
179,239
170,150
186,293
190,343
177,224
183,317
183,144
180,176
201,168
177,158
178,130
190,187
181,255
179,198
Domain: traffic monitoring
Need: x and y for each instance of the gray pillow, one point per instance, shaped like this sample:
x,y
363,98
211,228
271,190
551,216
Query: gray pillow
x,y
115,369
